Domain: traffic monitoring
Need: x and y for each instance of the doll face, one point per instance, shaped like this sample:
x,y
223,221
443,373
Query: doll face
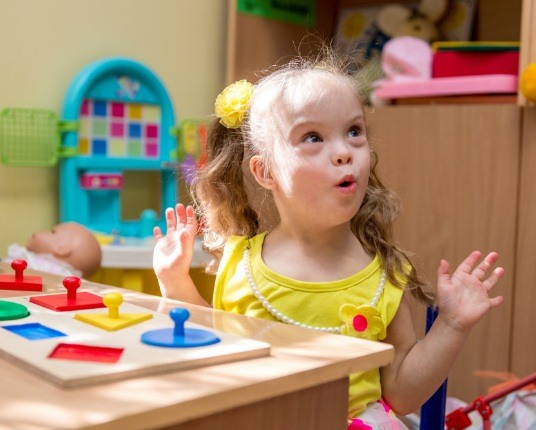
x,y
46,242
70,242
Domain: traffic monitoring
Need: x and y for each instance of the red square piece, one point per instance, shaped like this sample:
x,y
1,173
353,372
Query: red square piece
x,y
61,303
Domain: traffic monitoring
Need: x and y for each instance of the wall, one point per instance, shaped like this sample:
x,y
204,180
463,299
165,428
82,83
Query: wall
x,y
43,44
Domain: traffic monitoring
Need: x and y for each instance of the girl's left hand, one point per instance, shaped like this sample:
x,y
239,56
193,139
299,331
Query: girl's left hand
x,y
463,298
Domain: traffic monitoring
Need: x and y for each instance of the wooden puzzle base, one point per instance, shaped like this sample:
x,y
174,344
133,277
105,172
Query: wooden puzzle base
x,y
71,353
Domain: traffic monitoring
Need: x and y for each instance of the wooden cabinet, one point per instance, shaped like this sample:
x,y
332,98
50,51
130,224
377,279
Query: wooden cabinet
x,y
523,334
456,170
463,173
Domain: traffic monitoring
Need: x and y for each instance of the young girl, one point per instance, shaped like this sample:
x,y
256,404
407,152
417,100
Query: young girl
x,y
330,262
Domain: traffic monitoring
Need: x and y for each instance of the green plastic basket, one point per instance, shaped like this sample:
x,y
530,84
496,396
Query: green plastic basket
x,y
29,137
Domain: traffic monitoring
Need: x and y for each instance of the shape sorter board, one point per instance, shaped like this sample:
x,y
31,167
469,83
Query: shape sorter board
x,y
127,355
117,129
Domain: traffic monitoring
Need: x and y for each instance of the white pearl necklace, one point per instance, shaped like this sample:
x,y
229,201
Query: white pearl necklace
x,y
287,320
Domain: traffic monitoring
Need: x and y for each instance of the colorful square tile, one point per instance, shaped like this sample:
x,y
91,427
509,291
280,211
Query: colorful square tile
x,y
83,146
151,113
99,127
134,148
151,131
118,110
99,146
134,111
151,149
116,147
117,129
134,130
99,108
83,127
85,108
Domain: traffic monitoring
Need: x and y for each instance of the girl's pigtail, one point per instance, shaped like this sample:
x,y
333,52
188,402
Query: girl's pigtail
x,y
219,191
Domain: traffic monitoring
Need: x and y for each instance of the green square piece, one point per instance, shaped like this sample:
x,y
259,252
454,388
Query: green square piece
x,y
29,137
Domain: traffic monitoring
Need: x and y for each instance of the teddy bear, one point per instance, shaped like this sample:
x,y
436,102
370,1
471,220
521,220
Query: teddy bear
x,y
396,20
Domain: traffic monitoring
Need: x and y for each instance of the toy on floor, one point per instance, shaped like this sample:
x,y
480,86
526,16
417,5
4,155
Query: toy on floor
x,y
19,281
179,336
67,249
72,300
459,418
113,320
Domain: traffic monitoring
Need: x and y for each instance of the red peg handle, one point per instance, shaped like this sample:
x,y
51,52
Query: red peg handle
x,y
19,266
71,283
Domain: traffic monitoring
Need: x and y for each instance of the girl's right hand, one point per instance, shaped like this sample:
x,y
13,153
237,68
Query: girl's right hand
x,y
173,250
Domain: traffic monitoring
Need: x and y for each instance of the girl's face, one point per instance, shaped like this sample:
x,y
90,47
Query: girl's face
x,y
322,156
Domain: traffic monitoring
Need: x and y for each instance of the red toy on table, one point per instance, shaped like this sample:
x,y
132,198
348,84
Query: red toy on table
x,y
19,281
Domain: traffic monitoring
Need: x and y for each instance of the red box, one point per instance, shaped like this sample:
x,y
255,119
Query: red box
x,y
469,63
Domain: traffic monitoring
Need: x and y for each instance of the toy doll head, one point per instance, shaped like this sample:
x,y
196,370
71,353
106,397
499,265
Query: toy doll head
x,y
69,242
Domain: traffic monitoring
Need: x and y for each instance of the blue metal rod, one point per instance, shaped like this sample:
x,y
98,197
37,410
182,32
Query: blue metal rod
x,y
433,411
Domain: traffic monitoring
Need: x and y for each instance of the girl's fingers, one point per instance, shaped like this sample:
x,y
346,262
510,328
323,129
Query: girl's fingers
x,y
157,233
493,278
190,216
179,218
171,219
181,214
467,265
496,301
482,269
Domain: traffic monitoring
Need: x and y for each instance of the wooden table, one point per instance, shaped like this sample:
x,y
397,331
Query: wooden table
x,y
302,384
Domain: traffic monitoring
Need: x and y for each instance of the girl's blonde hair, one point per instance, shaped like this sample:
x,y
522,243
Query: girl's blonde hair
x,y
222,191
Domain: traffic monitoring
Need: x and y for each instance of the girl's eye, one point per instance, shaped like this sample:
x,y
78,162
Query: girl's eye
x,y
312,138
354,132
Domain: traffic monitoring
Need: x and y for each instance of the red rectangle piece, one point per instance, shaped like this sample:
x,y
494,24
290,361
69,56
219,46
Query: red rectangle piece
x,y
28,283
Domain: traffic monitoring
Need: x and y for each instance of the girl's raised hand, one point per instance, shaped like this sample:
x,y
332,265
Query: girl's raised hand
x,y
464,297
173,250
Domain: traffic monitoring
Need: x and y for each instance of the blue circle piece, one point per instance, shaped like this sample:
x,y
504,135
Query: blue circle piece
x,y
192,337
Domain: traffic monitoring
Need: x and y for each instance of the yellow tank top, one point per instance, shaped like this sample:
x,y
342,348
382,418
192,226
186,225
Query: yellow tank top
x,y
344,303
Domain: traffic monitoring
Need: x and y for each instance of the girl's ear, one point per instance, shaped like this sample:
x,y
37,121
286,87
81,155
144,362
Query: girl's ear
x,y
261,174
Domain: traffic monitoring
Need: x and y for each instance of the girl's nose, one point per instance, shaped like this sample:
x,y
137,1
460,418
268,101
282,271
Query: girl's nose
x,y
341,155
344,159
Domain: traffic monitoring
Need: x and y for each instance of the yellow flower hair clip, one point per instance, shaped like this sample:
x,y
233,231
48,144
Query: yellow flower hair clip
x,y
232,103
